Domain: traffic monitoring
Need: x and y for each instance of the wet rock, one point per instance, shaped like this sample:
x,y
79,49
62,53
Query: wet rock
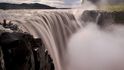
x,y
17,51
9,26
39,54
97,17
23,52
2,29
89,16
102,18
2,67
118,16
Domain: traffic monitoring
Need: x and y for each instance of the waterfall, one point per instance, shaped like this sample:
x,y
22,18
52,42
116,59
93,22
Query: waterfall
x,y
53,27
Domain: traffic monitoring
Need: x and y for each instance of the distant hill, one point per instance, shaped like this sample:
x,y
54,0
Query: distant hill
x,y
6,6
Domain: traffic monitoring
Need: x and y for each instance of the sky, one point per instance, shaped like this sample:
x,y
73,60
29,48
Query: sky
x,y
49,2
62,3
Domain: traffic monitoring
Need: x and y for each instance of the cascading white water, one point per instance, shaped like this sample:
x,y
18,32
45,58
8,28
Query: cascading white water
x,y
53,27
56,28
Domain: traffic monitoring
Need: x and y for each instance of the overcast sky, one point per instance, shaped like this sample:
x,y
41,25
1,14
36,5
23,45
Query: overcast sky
x,y
49,2
60,3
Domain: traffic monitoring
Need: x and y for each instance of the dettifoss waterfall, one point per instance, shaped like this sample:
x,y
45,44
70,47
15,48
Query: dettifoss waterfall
x,y
53,27
73,43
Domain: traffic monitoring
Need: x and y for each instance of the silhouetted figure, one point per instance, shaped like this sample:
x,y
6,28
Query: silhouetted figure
x,y
10,23
4,23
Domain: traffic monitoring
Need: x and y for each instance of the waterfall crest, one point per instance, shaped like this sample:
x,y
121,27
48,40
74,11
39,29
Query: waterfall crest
x,y
53,27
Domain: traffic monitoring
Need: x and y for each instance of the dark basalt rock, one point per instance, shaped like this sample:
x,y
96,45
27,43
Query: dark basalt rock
x,y
102,17
49,63
118,16
2,67
17,51
89,16
21,51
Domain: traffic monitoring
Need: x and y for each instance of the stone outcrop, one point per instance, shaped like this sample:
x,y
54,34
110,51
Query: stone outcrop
x,y
102,17
21,51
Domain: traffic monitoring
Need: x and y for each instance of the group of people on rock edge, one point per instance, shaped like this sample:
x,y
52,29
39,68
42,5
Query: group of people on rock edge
x,y
9,25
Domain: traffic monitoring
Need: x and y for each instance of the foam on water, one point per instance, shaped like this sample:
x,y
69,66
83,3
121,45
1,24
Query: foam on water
x,y
71,45
53,27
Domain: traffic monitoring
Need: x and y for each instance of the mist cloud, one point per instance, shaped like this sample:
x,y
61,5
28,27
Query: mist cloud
x,y
94,49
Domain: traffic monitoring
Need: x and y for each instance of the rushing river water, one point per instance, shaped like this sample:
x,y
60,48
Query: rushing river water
x,y
53,27
91,48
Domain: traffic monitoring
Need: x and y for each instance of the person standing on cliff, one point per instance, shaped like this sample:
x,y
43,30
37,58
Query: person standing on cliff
x,y
4,23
